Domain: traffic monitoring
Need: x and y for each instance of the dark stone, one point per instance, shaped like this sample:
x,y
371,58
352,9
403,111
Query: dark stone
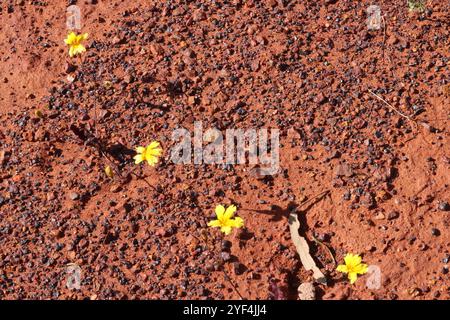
x,y
226,245
238,268
444,206
435,232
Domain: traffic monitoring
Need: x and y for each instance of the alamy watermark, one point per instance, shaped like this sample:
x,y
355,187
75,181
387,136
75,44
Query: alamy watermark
x,y
73,18
373,281
73,280
238,145
373,17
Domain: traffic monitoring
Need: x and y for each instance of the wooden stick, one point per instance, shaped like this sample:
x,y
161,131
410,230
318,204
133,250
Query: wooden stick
x,y
392,107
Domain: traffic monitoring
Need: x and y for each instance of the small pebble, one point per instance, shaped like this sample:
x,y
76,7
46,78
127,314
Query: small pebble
x,y
307,291
444,206
435,232
225,256
238,268
74,196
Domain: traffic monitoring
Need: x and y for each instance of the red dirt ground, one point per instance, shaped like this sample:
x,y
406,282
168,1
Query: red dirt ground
x,y
305,67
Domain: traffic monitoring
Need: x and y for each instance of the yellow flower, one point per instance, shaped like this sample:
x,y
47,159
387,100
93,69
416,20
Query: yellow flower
x,y
149,153
109,172
74,42
224,219
352,267
38,113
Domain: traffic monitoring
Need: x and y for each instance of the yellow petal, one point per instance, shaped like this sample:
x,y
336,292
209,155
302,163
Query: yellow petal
x,y
214,223
352,260
226,229
138,158
352,276
152,161
342,268
153,152
230,212
220,210
361,268
70,38
83,37
109,172
79,48
140,150
153,145
236,222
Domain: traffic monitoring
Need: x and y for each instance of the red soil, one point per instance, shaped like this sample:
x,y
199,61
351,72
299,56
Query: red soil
x,y
305,67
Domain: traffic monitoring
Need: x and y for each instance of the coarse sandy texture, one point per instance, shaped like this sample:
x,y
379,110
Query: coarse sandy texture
x,y
305,67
